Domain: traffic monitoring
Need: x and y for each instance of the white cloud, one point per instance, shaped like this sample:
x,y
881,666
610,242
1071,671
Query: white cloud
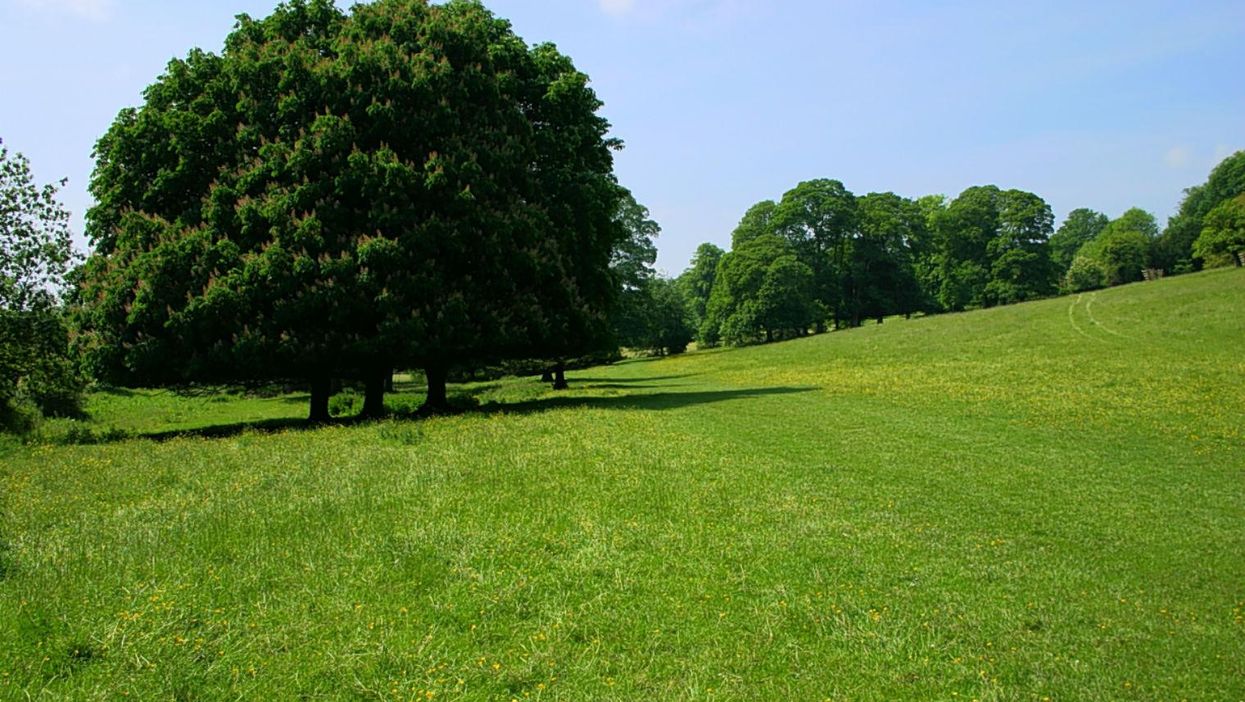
x,y
90,10
616,8
1223,151
1178,157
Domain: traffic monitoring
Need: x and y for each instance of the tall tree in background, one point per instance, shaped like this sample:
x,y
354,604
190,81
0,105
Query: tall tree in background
x,y
882,276
656,319
35,257
335,195
1175,248
632,259
1021,267
963,230
993,248
1081,226
926,255
820,219
1222,240
758,220
696,283
763,291
651,314
1123,249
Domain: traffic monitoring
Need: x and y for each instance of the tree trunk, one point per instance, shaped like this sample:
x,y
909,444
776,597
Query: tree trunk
x,y
547,376
769,336
389,381
437,401
879,319
821,327
374,395
321,390
559,377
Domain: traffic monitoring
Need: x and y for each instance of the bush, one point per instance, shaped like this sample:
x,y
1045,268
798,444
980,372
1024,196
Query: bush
x,y
37,375
1084,274
345,404
18,417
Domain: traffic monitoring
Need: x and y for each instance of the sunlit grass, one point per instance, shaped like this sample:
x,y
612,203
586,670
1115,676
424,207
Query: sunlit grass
x,y
1041,501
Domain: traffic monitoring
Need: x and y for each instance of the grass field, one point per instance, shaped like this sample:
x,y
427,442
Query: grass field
x,y
1044,501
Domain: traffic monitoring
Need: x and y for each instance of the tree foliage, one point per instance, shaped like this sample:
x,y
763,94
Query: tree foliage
x,y
1226,181
37,374
763,291
35,244
696,283
336,194
632,259
756,221
882,277
820,219
1080,227
1084,274
993,248
1123,248
1222,240
651,314
656,319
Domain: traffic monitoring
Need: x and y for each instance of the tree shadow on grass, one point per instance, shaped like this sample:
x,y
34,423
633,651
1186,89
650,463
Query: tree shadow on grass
x,y
224,431
637,401
649,379
115,391
633,401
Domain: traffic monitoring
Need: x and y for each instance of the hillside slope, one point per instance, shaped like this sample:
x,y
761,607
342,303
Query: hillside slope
x,y
1031,502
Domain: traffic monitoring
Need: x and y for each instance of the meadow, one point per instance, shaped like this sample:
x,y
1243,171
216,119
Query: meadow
x,y
1037,502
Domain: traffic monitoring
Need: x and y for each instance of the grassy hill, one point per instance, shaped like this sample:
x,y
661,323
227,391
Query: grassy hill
x,y
1044,501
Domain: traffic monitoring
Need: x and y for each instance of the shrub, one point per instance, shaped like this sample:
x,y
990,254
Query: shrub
x,y
37,374
344,404
1084,274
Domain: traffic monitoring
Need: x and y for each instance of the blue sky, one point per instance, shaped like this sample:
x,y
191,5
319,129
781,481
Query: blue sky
x,y
723,103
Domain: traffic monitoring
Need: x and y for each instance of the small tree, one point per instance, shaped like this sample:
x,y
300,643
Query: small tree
x,y
35,256
1084,274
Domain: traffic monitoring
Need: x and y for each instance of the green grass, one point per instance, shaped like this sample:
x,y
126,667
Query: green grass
x,y
1040,501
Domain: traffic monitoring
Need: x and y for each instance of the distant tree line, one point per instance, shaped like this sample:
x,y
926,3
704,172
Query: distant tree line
x,y
822,257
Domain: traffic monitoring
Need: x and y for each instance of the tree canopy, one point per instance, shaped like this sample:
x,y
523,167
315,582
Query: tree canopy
x,y
820,219
992,248
696,283
37,375
1081,226
35,248
1223,236
651,314
762,291
1226,181
336,194
1123,248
